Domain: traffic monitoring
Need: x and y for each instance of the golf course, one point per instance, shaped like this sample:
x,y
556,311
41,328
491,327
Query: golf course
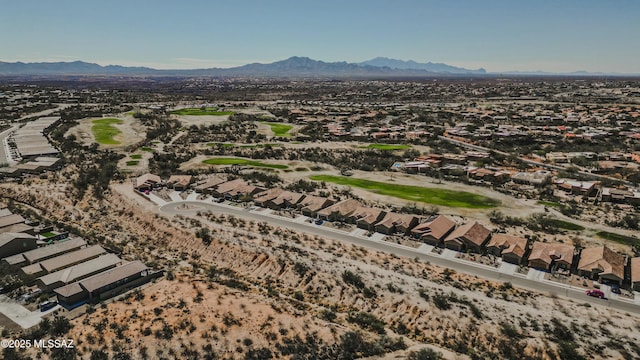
x,y
243,162
104,131
433,196
201,112
279,129
388,147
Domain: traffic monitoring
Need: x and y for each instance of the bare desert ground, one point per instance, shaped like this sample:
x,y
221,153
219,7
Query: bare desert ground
x,y
266,284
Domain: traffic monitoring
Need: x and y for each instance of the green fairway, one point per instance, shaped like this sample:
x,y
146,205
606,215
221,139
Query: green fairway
x,y
221,144
240,161
415,193
279,129
104,131
136,156
200,111
561,224
621,239
388,147
248,146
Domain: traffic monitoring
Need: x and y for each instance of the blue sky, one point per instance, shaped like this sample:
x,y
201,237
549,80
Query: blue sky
x,y
498,35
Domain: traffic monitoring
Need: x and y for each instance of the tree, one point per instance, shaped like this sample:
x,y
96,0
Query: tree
x,y
425,354
60,326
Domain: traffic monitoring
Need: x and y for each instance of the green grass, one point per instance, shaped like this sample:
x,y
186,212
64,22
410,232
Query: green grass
x,y
416,193
221,144
47,234
621,239
561,224
388,147
249,146
104,131
258,146
279,129
199,112
550,204
240,161
135,156
132,162
147,149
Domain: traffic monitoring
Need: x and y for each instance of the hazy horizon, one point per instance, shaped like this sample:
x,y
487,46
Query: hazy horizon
x,y
500,36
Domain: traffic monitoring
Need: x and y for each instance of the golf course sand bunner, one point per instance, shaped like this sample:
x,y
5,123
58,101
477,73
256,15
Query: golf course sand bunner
x,y
433,196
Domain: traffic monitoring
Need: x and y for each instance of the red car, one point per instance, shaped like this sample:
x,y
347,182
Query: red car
x,y
595,293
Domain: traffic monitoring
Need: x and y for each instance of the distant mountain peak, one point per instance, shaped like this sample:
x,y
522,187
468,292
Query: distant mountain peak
x,y
413,65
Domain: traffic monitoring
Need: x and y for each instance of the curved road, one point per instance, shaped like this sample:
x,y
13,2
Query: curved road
x,y
486,272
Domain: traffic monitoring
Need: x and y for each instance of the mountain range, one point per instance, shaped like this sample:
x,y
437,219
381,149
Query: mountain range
x,y
293,67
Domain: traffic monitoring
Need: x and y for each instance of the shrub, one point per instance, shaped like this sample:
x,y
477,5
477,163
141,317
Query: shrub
x,y
441,301
367,321
353,279
425,354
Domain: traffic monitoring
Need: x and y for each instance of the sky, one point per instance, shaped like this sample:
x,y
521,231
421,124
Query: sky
x,y
498,35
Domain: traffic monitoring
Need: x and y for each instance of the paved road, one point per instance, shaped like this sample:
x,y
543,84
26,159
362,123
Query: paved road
x,y
482,271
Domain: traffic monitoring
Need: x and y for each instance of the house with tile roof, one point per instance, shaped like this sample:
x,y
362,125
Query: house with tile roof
x,y
602,264
434,230
544,256
511,248
471,236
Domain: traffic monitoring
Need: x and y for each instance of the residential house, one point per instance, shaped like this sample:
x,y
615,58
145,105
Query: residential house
x,y
104,285
434,230
545,256
635,273
537,178
339,211
602,264
147,182
209,185
63,261
510,248
222,189
179,182
10,220
310,205
235,189
366,217
471,236
631,196
45,252
261,198
585,188
396,223
77,272
287,199
15,243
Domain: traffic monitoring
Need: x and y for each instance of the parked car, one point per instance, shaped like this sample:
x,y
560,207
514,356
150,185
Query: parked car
x,y
47,305
596,293
615,288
